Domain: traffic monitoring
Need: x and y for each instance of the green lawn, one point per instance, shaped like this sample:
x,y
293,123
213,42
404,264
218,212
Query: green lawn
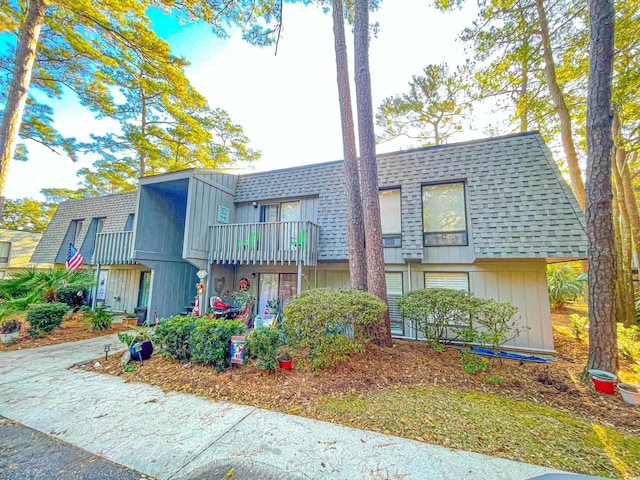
x,y
491,425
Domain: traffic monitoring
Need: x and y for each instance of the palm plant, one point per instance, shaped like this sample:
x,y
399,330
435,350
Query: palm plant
x,y
38,286
565,285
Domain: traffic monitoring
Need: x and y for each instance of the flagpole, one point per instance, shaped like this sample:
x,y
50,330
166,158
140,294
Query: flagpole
x,y
94,297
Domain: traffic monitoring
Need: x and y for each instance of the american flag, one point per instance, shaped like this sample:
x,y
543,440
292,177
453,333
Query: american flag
x,y
74,258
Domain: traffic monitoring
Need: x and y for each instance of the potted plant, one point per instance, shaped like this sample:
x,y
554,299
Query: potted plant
x,y
138,342
284,359
10,331
273,305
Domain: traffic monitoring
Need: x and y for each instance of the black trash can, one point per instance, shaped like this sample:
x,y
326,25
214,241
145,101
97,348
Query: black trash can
x,y
141,312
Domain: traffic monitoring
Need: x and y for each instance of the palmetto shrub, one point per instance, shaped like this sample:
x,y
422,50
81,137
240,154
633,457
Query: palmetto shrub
x,y
564,284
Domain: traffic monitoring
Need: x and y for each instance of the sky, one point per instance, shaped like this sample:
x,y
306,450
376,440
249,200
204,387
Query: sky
x,y
286,103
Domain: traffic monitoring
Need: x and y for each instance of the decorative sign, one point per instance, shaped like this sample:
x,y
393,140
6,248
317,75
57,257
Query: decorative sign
x,y
223,214
237,350
102,286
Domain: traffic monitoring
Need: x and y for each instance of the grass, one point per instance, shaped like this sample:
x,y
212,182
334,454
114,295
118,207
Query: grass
x,y
491,425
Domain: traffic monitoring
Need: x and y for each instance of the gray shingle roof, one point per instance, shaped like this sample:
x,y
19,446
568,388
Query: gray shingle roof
x,y
519,204
115,208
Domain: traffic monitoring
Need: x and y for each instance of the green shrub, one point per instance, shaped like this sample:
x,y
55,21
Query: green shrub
x,y
578,325
173,336
46,317
472,362
438,313
330,324
629,342
99,320
564,284
262,344
494,324
210,341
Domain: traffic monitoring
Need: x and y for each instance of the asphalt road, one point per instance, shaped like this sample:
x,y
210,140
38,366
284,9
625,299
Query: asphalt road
x,y
26,454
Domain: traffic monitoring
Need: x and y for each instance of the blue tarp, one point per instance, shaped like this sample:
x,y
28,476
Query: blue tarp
x,y
511,356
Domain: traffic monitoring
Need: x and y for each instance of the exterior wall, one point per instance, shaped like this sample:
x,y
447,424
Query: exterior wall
x,y
206,193
172,288
247,213
123,285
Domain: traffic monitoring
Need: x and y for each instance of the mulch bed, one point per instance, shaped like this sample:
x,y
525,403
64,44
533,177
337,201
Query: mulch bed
x,y
71,329
408,363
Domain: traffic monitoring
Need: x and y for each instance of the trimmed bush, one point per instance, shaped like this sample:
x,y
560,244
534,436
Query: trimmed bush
x,y
439,314
262,345
173,336
45,318
330,324
99,320
494,324
210,341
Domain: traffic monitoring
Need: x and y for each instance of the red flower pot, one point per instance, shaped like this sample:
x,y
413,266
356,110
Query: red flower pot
x,y
285,364
603,382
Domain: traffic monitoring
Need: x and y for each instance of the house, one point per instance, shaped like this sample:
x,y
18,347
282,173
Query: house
x,y
101,228
486,216
16,248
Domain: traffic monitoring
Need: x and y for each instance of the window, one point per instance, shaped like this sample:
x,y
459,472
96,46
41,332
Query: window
x,y
454,281
444,219
391,217
281,285
280,212
5,247
394,291
76,228
100,224
128,227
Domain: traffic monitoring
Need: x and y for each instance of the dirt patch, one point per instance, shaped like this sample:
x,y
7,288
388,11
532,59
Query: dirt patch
x,y
408,363
71,329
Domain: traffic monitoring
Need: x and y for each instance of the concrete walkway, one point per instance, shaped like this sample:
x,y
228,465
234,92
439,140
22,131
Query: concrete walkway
x,y
180,436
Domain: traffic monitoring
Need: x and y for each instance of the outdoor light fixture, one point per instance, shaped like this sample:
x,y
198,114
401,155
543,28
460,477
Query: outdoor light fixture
x,y
202,274
107,347
255,204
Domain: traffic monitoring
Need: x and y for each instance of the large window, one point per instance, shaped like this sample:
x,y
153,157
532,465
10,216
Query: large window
x,y
444,219
76,228
284,286
454,281
280,212
391,217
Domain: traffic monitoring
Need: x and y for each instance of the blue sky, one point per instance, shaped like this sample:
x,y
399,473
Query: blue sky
x,y
287,103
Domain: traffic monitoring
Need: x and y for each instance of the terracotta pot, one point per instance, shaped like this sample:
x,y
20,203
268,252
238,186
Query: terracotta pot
x,y
285,364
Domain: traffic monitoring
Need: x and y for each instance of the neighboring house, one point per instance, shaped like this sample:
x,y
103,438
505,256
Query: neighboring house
x,y
101,228
16,248
484,216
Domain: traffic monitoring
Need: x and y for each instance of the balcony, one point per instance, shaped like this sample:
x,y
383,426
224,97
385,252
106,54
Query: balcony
x,y
277,243
113,249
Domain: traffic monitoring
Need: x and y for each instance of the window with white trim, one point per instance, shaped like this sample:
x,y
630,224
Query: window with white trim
x,y
390,217
454,281
394,291
444,217
5,247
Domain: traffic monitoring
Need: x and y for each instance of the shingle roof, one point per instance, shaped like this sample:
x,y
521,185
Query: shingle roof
x,y
115,208
519,204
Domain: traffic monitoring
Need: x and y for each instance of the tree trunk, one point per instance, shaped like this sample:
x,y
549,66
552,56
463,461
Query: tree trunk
x,y
603,348
355,218
622,224
561,107
143,131
19,88
376,282
632,204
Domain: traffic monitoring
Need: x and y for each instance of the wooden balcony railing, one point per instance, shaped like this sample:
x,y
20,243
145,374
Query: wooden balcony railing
x,y
270,243
113,249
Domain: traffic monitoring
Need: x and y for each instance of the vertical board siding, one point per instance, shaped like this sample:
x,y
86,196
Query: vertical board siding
x,y
122,283
173,287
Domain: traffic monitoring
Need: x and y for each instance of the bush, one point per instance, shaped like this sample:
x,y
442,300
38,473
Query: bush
x,y
578,325
438,313
173,335
99,320
262,345
494,324
564,284
629,342
46,317
210,341
330,324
